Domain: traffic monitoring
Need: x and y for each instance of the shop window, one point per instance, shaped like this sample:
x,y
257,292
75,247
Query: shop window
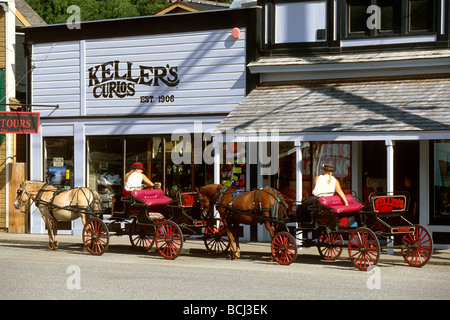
x,y
58,162
183,173
338,154
233,168
148,151
440,213
58,167
105,169
286,177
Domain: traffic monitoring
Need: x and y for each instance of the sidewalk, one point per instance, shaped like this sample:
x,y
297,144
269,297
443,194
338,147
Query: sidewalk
x,y
196,246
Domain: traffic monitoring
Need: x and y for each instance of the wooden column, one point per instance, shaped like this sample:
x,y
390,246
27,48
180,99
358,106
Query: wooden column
x,y
17,219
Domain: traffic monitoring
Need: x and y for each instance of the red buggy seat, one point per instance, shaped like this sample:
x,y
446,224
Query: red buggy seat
x,y
151,197
335,203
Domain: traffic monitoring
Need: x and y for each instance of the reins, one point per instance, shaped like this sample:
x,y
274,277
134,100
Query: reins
x,y
37,200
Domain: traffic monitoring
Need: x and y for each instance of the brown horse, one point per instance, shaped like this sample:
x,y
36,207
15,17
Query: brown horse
x,y
251,207
57,205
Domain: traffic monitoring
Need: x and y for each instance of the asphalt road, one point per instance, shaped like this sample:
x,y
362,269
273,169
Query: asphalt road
x,y
31,272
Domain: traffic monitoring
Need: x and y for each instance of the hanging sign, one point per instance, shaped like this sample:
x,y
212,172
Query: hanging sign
x,y
19,122
389,203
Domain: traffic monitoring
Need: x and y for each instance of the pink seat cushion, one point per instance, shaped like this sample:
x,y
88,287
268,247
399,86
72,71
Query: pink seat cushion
x,y
335,203
151,197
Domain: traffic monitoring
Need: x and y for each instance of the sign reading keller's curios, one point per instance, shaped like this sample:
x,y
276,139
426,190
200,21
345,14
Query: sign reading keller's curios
x,y
118,79
188,72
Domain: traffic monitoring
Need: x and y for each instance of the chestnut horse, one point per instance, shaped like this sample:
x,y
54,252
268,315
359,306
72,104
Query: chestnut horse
x,y
56,205
247,207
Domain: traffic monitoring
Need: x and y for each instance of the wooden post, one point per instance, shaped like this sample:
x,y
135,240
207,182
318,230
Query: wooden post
x,y
17,219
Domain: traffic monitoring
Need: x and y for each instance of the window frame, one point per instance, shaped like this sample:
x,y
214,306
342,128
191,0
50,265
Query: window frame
x,y
404,23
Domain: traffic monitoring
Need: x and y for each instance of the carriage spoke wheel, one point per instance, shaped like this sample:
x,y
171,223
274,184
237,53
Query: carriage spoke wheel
x,y
417,247
284,248
363,248
141,237
95,237
169,240
330,246
216,239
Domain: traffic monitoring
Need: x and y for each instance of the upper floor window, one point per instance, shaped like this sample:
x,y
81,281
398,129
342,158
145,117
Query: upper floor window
x,y
389,17
304,21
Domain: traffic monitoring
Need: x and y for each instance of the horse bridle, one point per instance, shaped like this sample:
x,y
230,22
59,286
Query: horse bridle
x,y
20,192
203,212
37,199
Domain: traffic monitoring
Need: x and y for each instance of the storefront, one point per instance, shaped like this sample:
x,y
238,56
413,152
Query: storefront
x,y
126,90
383,136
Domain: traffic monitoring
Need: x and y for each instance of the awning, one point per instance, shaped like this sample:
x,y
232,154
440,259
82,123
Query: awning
x,y
420,105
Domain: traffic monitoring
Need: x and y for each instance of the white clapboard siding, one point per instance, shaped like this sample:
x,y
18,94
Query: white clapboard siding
x,y
210,66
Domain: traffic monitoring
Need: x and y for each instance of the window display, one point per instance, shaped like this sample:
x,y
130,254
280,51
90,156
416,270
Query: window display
x,y
58,166
105,169
58,162
440,214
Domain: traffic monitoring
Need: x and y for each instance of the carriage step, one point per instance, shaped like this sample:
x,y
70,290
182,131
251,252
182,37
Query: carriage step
x,y
119,216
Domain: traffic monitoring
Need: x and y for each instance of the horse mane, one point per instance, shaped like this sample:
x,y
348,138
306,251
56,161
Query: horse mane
x,y
210,190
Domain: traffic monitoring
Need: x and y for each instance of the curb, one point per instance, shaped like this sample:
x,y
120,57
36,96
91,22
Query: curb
x,y
304,253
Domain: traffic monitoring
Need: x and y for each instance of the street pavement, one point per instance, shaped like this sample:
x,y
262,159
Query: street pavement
x,y
196,246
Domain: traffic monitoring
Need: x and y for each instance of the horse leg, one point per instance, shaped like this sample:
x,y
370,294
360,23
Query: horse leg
x,y
55,234
84,220
228,228
271,230
49,226
236,235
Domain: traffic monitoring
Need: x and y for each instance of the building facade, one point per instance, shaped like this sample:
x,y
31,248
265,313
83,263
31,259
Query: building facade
x,y
361,84
122,91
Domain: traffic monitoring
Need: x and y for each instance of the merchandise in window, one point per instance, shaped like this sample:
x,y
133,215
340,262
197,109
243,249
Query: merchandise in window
x,y
440,213
58,167
58,162
105,170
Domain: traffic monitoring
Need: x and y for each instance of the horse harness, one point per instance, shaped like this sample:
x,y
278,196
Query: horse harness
x,y
256,201
51,206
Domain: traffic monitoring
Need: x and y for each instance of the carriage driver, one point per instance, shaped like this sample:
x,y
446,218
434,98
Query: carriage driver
x,y
134,179
326,184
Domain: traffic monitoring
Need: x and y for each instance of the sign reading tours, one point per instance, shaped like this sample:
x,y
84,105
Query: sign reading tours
x,y
115,79
19,122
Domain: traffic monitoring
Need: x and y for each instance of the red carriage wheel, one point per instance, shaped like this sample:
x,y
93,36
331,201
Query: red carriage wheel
x,y
216,239
284,248
417,247
95,236
141,237
169,240
330,246
363,248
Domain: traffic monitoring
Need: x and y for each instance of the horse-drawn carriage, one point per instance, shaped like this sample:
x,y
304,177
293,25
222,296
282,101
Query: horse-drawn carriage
x,y
367,229
148,217
364,229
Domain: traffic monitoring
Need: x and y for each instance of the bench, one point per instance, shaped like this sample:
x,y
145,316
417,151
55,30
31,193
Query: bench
x,y
335,203
152,197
